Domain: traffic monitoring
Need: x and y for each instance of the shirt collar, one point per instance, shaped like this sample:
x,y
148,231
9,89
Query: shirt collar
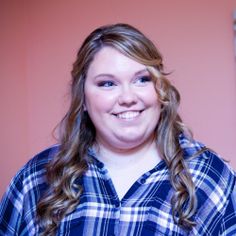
x,y
189,146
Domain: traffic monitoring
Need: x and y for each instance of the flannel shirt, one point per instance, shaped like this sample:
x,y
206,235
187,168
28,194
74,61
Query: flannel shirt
x,y
145,210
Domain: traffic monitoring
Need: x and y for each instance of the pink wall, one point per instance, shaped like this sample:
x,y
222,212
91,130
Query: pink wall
x,y
39,40
14,142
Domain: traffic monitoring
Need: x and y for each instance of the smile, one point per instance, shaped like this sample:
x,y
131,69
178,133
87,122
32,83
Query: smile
x,y
128,115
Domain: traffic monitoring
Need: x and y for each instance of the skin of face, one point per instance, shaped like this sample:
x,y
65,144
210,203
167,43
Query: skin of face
x,y
121,101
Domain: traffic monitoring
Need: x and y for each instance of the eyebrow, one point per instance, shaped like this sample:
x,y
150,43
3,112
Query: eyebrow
x,y
142,71
112,76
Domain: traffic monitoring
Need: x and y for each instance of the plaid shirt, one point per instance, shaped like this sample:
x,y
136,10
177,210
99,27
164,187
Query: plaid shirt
x,y
144,210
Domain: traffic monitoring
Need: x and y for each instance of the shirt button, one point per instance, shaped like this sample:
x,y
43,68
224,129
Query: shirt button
x,y
100,165
142,181
117,204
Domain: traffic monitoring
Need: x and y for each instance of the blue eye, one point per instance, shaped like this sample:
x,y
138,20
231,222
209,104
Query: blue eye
x,y
105,84
144,79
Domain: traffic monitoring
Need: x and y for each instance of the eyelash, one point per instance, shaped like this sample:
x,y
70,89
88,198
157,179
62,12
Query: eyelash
x,y
144,79
108,83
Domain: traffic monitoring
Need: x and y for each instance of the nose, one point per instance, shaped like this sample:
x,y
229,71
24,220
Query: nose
x,y
128,96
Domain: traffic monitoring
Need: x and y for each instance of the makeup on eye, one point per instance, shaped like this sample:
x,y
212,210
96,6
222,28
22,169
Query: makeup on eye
x,y
106,83
143,79
138,80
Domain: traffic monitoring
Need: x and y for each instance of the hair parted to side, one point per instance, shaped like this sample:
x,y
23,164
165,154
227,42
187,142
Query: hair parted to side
x,y
77,133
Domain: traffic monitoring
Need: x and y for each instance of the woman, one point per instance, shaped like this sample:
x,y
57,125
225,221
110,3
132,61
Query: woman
x,y
125,163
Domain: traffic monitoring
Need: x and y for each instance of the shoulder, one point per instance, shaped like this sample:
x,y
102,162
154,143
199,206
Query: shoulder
x,y
18,205
35,168
209,170
214,182
39,161
206,166
33,172
30,180
43,157
212,176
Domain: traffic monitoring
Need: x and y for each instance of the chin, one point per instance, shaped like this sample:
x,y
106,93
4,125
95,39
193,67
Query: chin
x,y
127,144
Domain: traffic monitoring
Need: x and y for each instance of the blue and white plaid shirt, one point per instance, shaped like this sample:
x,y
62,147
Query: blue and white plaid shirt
x,y
144,210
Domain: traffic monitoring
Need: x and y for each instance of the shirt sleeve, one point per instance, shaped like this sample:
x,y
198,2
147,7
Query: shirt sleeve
x,y
11,207
18,214
228,224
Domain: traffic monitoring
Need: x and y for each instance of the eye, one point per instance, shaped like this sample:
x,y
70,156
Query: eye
x,y
143,79
106,84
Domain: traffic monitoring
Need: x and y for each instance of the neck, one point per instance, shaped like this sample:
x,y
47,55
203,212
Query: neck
x,y
146,154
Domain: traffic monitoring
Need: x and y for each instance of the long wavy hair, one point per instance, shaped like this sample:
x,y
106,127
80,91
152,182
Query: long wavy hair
x,y
77,132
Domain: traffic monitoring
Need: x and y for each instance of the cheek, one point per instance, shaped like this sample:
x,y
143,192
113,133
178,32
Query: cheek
x,y
150,97
99,101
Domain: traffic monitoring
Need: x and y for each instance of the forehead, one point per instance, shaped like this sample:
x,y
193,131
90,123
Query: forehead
x,y
110,60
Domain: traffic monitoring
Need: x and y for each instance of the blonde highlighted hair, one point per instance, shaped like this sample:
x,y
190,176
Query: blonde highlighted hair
x,y
77,132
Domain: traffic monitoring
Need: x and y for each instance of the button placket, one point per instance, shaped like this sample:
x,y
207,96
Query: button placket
x,y
117,206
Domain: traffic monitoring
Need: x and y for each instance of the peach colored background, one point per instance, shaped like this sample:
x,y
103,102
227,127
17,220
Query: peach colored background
x,y
39,40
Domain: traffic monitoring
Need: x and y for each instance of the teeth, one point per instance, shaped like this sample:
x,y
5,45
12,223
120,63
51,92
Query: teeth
x,y
128,115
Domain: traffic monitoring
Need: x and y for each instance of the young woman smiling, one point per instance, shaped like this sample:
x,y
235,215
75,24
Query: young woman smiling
x,y
125,163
